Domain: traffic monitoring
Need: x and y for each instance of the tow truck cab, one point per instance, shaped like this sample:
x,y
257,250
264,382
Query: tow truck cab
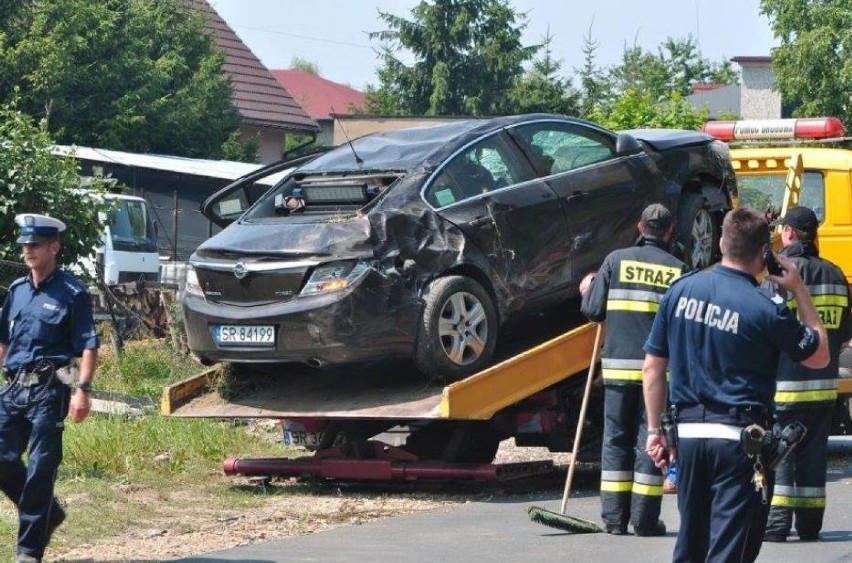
x,y
812,157
780,163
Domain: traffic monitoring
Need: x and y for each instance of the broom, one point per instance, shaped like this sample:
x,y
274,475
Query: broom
x,y
560,520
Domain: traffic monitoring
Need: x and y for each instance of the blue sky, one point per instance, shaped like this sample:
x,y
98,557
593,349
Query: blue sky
x,y
333,33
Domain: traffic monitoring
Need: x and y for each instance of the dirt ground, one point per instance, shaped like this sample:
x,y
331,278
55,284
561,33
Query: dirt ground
x,y
181,530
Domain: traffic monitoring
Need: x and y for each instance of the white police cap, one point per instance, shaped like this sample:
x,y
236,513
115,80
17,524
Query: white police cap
x,y
36,228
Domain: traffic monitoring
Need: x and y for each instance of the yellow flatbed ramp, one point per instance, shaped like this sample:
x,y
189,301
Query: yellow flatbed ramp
x,y
384,393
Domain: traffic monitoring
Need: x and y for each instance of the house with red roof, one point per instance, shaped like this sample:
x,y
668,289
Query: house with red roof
x,y
755,97
267,109
321,98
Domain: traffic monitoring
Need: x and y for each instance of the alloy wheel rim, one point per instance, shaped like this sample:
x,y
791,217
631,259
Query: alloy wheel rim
x,y
702,239
463,328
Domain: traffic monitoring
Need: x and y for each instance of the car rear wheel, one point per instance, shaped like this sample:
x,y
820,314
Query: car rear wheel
x,y
458,329
697,231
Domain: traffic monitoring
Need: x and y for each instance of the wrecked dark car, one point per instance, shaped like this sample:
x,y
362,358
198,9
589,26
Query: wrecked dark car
x,y
422,242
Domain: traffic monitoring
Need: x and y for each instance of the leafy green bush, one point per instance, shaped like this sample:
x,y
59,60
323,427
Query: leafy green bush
x,y
34,180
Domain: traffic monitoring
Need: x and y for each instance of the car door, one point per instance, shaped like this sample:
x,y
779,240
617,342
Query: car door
x,y
602,192
491,193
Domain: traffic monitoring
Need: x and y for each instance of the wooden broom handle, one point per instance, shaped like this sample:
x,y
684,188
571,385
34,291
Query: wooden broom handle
x,y
596,351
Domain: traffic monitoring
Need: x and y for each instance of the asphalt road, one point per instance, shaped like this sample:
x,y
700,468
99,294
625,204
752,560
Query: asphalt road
x,y
498,529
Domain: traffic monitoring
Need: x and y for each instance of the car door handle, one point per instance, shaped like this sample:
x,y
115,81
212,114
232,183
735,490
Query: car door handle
x,y
577,194
485,222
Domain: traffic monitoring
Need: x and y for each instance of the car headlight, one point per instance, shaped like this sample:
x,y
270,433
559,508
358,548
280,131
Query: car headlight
x,y
334,276
192,286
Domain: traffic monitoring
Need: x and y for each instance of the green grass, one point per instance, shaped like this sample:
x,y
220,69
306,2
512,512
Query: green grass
x,y
119,473
143,368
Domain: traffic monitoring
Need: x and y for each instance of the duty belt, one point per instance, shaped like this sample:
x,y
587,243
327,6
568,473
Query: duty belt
x,y
36,372
709,430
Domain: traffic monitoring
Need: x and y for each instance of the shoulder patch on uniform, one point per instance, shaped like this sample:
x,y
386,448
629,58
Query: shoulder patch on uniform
x,y
770,295
684,276
73,284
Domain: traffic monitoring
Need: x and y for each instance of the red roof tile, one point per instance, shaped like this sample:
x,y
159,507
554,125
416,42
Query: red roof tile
x,y
706,87
259,98
320,97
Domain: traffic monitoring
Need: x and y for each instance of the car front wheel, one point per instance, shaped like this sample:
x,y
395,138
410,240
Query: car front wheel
x,y
458,329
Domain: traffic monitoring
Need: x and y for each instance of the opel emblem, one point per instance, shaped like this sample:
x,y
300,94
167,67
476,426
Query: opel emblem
x,y
240,270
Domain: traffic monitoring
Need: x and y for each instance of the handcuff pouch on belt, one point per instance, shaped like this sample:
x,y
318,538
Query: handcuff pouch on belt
x,y
774,445
41,371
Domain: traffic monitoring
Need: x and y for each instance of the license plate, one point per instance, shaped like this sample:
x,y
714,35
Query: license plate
x,y
310,440
296,435
246,335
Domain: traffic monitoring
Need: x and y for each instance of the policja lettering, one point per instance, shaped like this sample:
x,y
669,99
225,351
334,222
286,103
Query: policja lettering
x,y
708,313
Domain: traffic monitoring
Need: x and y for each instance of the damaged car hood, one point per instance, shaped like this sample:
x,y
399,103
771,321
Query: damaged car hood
x,y
349,237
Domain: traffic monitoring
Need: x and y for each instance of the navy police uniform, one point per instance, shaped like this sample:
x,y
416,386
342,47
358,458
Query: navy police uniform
x,y
626,293
42,328
808,396
722,336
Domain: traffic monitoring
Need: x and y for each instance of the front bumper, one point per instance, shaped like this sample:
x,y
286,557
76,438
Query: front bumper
x,y
374,319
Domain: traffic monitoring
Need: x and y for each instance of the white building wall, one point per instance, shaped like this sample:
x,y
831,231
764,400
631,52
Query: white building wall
x,y
758,98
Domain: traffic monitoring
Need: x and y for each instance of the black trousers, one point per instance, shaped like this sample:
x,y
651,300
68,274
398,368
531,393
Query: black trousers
x,y
800,479
32,420
631,486
722,516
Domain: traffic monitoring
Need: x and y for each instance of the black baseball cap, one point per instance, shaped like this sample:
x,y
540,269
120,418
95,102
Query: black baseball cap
x,y
800,218
658,217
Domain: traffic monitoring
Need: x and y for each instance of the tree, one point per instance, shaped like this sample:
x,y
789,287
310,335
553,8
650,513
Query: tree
x,y
634,109
465,53
135,75
541,89
305,65
675,68
813,64
34,180
595,88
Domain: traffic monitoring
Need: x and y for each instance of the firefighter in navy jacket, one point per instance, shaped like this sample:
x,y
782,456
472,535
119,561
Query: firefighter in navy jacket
x,y
720,335
808,395
626,292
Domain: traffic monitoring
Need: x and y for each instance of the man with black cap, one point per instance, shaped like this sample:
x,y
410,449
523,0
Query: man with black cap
x,y
626,292
808,395
46,323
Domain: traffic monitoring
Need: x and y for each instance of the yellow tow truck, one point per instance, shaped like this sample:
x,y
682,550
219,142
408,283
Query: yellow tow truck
x,y
352,420
781,163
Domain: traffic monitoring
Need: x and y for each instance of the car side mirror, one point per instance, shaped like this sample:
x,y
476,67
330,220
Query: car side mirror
x,y
626,144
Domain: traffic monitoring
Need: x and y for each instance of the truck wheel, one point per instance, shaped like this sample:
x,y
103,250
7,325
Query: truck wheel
x,y
696,231
478,444
458,329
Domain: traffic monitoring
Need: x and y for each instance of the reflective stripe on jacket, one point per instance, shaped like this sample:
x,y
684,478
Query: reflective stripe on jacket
x,y
626,293
797,385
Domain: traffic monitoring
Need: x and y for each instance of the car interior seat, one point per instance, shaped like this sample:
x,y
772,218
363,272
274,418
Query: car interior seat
x,y
472,179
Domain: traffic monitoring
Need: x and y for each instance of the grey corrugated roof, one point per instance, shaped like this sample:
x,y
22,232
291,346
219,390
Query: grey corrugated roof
x,y
224,169
260,99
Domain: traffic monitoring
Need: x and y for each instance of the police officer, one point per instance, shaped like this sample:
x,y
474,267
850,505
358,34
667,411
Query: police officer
x,y
626,292
46,321
720,335
808,395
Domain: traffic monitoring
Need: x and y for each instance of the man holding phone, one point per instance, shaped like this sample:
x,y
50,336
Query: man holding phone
x,y
721,335
808,395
